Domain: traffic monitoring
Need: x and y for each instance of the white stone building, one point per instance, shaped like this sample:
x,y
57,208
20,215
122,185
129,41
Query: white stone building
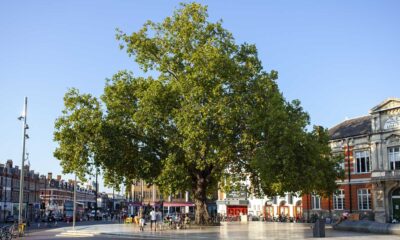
x,y
371,146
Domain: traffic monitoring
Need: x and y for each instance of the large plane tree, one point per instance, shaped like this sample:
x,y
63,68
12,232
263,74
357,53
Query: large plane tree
x,y
209,115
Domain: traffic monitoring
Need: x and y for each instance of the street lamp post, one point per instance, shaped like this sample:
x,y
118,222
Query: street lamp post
x,y
349,175
5,194
74,208
44,196
96,195
113,201
21,180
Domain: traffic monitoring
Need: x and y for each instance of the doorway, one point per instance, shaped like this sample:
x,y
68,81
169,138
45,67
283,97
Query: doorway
x,y
396,204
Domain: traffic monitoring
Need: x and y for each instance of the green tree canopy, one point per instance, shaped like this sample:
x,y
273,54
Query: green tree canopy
x,y
212,114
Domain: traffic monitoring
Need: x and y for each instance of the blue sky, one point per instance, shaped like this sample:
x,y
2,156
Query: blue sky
x,y
339,58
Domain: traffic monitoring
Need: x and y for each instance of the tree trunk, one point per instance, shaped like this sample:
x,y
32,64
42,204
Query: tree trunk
x,y
200,200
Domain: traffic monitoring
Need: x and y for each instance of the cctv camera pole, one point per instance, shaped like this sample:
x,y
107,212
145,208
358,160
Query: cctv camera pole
x,y
21,179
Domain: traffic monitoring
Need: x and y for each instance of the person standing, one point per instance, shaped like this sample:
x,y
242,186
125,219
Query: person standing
x,y
153,218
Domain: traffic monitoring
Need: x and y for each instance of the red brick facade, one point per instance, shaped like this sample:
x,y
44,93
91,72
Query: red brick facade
x,y
327,204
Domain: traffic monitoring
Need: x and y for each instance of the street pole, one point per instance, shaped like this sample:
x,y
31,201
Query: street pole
x,y
74,208
95,204
28,199
142,193
113,202
309,206
21,179
349,176
5,194
45,195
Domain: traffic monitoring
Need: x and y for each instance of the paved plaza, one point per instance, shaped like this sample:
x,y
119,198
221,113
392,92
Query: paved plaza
x,y
251,230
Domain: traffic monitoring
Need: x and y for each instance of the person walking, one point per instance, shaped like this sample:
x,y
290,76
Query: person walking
x,y
153,218
141,222
159,219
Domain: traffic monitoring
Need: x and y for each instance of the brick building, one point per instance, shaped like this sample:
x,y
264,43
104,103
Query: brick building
x,y
371,149
56,192
39,191
9,191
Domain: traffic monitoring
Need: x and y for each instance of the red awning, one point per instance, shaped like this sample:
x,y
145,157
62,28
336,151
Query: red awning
x,y
178,204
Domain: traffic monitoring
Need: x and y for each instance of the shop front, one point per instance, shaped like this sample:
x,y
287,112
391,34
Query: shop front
x,y
233,208
173,208
236,210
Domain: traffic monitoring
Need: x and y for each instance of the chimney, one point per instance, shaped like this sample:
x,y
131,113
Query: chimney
x,y
50,176
58,177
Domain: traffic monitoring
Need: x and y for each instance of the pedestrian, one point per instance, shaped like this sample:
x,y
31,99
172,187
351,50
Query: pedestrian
x,y
37,220
142,222
159,219
187,221
153,218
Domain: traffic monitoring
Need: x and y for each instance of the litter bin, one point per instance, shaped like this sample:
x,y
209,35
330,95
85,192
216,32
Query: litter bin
x,y
319,228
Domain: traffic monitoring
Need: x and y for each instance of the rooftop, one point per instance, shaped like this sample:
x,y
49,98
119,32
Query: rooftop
x,y
351,128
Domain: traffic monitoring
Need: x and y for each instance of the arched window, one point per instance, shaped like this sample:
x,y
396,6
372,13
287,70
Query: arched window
x,y
396,192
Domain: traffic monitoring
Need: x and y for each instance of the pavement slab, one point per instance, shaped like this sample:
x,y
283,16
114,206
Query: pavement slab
x,y
231,230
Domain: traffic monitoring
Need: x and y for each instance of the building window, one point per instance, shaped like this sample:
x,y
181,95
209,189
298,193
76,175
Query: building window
x,y
394,157
362,162
341,165
364,199
290,198
338,200
315,202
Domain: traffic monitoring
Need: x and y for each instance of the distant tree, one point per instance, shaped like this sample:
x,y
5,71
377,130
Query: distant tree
x,y
77,132
210,115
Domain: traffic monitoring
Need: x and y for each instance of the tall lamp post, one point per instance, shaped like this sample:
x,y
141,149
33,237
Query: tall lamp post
x,y
5,193
349,175
96,195
21,180
74,208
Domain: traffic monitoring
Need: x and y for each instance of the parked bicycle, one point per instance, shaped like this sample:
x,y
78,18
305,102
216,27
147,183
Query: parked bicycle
x,y
8,232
